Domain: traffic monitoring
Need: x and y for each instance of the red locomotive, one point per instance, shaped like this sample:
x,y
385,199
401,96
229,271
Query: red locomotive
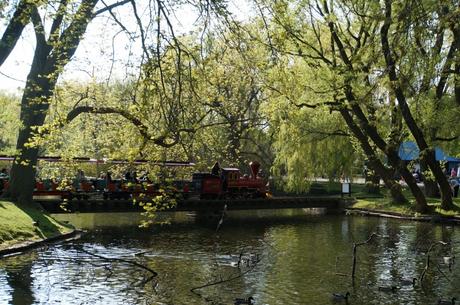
x,y
229,183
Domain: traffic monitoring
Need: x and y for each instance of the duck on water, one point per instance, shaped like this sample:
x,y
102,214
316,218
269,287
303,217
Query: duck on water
x,y
248,301
340,296
447,302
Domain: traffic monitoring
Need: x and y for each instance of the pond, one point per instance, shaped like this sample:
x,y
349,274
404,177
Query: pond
x,y
296,258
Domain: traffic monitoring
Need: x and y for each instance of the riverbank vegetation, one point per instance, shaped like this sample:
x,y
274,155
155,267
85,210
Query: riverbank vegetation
x,y
25,223
333,94
384,204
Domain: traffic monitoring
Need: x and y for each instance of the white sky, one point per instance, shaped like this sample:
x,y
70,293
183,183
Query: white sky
x,y
93,58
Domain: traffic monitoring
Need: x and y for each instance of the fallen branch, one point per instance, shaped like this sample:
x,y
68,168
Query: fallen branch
x,y
427,263
111,259
355,248
231,278
425,269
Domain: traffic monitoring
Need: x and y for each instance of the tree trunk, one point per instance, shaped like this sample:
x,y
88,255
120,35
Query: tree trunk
x,y
34,107
387,175
389,150
421,205
49,59
431,187
456,31
24,168
426,153
441,179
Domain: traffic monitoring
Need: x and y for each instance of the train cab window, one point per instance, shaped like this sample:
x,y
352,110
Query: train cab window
x,y
233,176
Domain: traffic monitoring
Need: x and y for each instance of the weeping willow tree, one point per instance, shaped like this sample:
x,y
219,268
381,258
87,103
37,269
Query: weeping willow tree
x,y
309,142
310,145
362,54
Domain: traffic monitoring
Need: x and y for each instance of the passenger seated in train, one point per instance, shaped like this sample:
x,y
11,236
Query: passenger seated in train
x,y
4,173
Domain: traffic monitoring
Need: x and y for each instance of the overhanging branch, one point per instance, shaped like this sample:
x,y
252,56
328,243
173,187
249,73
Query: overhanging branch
x,y
110,7
14,30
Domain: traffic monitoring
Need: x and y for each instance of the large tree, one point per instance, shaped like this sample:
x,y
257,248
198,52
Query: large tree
x,y
53,50
55,46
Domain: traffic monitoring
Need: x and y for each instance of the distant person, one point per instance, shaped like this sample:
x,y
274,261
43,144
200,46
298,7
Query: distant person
x,y
215,170
128,176
454,185
134,177
80,176
224,181
260,174
453,172
4,173
3,178
108,178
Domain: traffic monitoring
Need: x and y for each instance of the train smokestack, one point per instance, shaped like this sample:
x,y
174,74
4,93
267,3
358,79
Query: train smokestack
x,y
255,166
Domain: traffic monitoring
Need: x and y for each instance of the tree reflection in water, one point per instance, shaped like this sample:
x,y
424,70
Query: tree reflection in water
x,y
296,259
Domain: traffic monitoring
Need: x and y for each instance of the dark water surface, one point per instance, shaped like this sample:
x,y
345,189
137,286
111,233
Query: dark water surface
x,y
284,260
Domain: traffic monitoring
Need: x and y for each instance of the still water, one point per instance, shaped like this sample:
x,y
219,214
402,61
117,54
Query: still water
x,y
277,259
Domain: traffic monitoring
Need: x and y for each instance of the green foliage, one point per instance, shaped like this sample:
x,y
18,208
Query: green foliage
x,y
269,90
310,141
9,123
166,199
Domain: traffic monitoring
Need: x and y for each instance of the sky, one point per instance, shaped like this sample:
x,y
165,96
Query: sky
x,y
103,44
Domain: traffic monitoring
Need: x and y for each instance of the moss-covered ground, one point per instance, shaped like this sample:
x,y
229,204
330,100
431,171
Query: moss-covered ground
x,y
21,224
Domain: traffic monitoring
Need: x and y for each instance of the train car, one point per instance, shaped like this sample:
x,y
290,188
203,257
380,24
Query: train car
x,y
49,189
230,183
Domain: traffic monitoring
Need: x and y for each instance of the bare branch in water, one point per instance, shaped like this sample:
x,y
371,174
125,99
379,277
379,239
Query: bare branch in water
x,y
129,262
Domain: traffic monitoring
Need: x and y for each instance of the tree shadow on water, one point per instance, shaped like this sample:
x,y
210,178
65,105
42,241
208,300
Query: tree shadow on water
x,y
20,281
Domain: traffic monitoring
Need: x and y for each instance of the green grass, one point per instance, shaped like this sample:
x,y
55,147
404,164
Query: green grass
x,y
19,224
384,204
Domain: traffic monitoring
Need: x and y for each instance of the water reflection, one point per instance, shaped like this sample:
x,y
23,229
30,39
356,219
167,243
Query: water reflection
x,y
277,262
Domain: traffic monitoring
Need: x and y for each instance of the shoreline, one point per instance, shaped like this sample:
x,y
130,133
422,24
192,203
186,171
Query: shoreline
x,y
23,247
26,226
401,216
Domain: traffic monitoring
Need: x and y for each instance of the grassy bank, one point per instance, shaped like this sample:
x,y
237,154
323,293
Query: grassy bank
x,y
22,224
381,202
384,204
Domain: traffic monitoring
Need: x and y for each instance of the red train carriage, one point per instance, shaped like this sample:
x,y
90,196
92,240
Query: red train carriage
x,y
49,189
230,184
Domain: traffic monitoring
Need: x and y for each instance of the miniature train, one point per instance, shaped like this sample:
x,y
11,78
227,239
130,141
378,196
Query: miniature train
x,y
227,183
230,184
